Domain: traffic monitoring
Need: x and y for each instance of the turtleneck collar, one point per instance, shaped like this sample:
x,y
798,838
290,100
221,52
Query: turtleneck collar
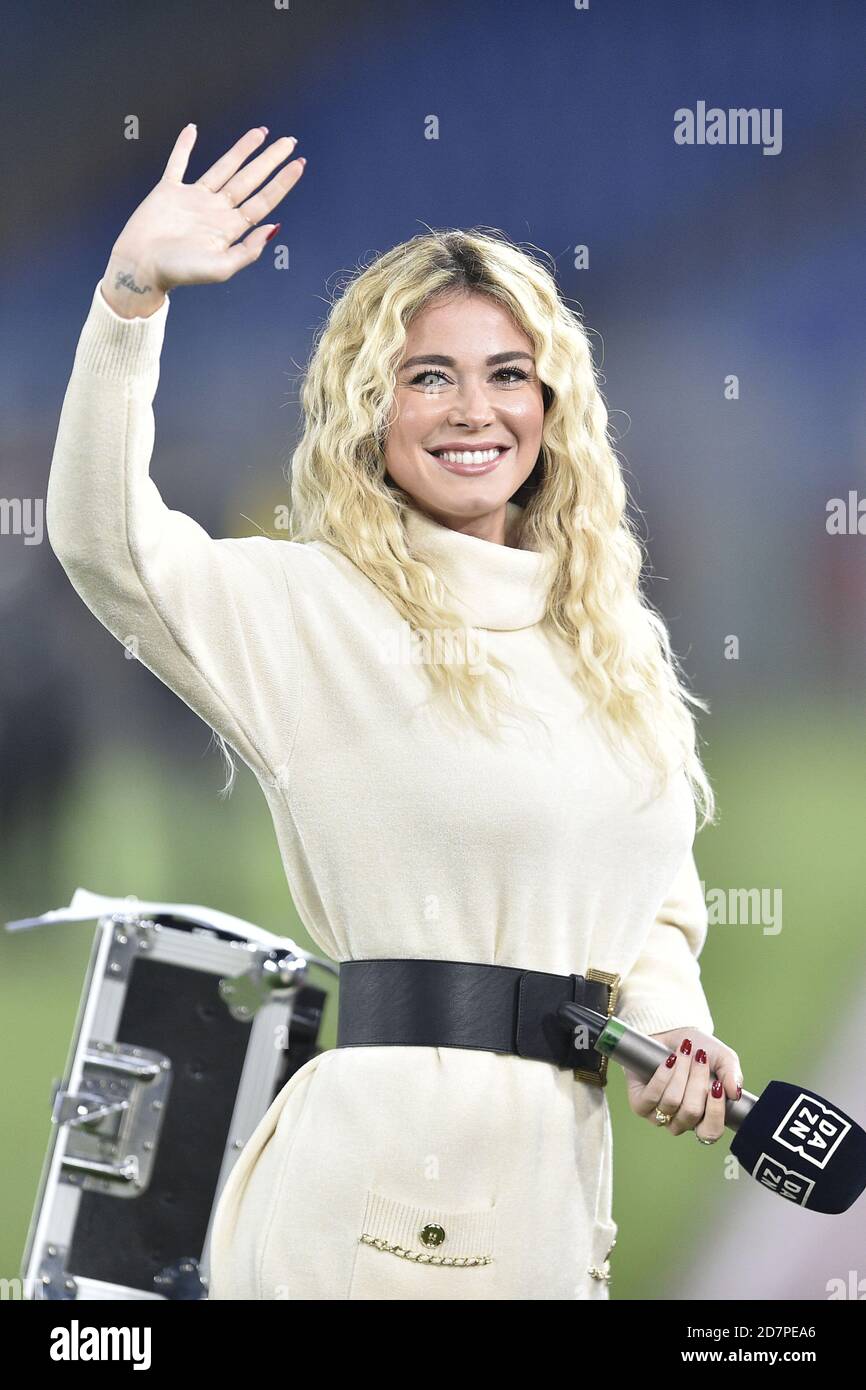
x,y
499,587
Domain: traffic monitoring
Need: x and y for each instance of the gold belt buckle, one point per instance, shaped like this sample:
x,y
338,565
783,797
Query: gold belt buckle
x,y
606,977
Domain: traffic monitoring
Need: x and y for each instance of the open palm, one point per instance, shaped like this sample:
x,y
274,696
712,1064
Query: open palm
x,y
188,233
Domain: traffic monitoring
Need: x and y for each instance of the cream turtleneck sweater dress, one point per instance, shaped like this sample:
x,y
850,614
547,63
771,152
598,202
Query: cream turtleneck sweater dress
x,y
398,838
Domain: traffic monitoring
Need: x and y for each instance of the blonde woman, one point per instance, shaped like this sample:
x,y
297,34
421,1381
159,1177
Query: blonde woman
x,y
470,730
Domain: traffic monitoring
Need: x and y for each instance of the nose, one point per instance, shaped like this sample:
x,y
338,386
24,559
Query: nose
x,y
471,406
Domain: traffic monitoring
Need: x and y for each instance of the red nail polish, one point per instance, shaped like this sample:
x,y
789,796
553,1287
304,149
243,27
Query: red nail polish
x,y
686,1046
700,1055
274,232
717,1088
671,1060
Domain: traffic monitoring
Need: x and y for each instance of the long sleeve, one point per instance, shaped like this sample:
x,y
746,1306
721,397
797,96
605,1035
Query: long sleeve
x,y
211,618
663,989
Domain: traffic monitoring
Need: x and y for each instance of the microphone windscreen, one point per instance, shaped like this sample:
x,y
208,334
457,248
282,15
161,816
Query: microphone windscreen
x,y
803,1148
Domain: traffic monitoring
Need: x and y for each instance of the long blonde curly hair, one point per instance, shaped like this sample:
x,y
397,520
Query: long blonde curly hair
x,y
575,500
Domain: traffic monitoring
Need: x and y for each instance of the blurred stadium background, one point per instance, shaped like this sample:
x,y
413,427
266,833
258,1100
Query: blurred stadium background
x,y
556,125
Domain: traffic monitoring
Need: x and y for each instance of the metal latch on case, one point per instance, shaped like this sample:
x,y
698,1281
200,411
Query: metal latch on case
x,y
113,1119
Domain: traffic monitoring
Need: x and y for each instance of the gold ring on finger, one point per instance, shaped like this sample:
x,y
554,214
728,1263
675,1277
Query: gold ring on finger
x,y
706,1141
662,1118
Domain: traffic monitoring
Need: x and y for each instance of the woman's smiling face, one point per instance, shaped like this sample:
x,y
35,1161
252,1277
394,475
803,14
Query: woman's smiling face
x,y
467,379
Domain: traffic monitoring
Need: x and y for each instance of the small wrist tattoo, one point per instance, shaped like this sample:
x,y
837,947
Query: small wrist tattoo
x,y
127,280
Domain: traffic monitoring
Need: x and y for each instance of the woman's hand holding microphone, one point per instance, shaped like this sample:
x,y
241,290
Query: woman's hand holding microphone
x,y
682,1088
188,233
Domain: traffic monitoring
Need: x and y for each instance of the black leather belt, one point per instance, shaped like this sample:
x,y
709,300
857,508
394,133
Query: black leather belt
x,y
455,1003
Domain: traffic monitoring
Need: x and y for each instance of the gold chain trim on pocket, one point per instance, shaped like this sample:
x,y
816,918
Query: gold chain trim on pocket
x,y
459,1261
604,1272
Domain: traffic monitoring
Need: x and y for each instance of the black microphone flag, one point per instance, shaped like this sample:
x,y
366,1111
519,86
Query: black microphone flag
x,y
803,1148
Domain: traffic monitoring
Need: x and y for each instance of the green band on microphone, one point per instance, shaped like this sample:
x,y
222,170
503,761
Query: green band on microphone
x,y
609,1037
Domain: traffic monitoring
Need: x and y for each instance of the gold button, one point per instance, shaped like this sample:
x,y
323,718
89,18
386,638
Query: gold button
x,y
431,1236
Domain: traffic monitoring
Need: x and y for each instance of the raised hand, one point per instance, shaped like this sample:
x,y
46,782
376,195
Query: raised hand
x,y
188,233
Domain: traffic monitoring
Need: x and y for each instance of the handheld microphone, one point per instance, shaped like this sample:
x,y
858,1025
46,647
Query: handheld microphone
x,y
792,1141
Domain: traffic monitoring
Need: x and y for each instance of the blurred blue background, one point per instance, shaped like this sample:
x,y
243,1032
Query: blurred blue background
x,y
705,262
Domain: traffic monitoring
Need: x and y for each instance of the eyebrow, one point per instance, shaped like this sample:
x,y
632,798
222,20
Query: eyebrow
x,y
450,362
